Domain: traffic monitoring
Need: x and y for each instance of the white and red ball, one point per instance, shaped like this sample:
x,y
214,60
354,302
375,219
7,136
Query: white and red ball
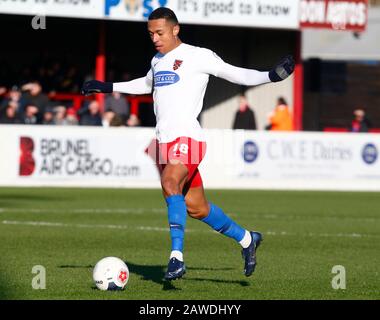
x,y
110,273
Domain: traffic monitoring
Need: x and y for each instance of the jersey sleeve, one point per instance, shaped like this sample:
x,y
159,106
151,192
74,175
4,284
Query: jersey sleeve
x,y
211,63
137,86
243,76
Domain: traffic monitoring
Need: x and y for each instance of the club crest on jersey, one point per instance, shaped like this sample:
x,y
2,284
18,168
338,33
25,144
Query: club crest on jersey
x,y
177,64
165,78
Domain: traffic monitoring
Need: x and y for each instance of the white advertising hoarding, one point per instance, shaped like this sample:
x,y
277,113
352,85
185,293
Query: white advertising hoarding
x,y
326,161
76,156
87,9
250,13
116,157
278,14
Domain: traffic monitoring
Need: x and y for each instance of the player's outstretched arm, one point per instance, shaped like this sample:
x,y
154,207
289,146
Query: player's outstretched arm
x,y
250,77
138,86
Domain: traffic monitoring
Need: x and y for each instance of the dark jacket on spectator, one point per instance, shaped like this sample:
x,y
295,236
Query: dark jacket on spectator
x,y
90,120
7,120
41,101
245,120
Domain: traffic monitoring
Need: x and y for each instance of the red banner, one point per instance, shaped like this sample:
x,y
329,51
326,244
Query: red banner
x,y
334,14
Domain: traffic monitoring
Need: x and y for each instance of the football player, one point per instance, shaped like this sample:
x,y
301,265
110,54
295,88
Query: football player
x,y
178,76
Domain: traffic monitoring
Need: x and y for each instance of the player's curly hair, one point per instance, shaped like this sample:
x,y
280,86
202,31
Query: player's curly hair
x,y
164,13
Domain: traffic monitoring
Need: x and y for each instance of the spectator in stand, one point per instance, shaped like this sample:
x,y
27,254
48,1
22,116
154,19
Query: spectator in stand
x,y
117,103
34,97
30,115
60,115
117,121
360,123
48,116
15,99
133,121
107,118
71,117
111,119
89,114
244,117
280,119
10,116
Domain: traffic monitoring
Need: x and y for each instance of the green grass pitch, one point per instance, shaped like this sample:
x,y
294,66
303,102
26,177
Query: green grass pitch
x,y
306,234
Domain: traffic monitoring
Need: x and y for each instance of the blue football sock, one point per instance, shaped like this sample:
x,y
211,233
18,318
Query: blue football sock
x,y
220,222
177,220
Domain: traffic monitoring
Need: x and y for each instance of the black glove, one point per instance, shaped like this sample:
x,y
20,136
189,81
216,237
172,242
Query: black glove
x,y
95,86
282,69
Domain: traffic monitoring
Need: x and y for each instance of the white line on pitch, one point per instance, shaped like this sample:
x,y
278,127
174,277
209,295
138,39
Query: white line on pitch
x,y
90,211
85,210
164,210
81,225
149,228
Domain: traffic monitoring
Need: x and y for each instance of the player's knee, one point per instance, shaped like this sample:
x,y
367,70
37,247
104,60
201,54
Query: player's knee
x,y
170,186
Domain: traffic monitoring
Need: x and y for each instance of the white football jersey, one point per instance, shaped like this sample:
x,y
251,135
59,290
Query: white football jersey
x,y
179,80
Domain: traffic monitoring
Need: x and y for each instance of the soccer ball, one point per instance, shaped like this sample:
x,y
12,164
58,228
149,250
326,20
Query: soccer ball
x,y
110,273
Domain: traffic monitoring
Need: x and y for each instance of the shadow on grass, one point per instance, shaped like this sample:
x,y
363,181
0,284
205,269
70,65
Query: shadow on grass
x,y
74,267
155,273
149,273
210,269
239,282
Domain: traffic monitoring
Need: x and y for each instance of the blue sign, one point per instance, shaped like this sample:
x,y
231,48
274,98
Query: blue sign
x,y
250,151
369,153
148,6
109,4
165,78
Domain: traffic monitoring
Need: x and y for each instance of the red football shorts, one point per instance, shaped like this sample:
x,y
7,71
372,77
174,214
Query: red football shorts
x,y
188,151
